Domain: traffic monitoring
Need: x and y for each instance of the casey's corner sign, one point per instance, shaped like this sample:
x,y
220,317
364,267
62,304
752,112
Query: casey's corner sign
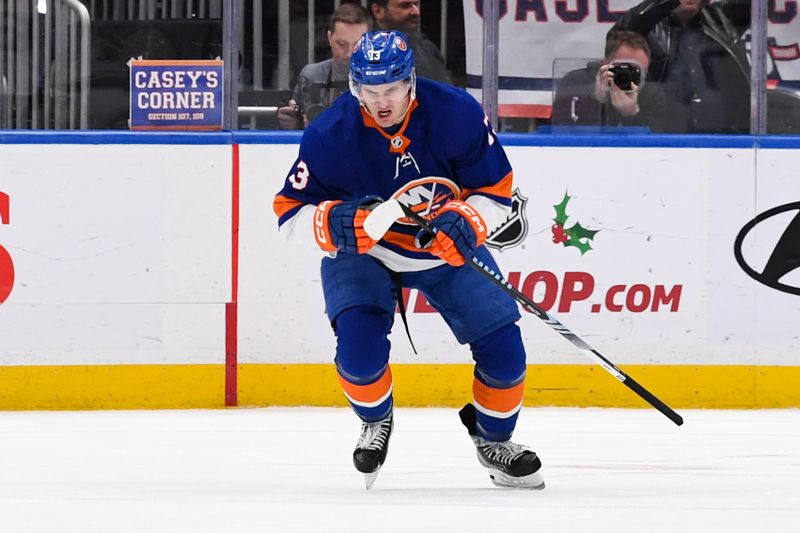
x,y
176,94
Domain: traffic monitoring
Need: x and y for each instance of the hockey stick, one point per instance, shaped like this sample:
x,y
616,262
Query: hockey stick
x,y
381,218
531,306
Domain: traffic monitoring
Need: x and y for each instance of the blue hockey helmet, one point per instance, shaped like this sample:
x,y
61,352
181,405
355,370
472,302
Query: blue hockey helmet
x,y
381,57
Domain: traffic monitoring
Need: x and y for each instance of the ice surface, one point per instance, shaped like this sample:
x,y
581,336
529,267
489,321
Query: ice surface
x,y
290,470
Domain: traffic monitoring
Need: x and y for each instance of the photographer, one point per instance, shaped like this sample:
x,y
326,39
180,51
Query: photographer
x,y
612,92
699,56
319,84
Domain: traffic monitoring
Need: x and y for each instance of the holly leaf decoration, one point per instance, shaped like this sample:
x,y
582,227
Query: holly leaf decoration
x,y
561,210
579,237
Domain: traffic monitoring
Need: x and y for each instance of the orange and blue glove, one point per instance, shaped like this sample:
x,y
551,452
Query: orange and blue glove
x,y
458,231
339,225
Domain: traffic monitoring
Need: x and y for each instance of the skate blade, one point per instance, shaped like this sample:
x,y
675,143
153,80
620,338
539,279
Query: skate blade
x,y
530,482
370,478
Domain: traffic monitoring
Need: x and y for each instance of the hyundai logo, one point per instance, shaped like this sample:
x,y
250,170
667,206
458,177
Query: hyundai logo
x,y
783,259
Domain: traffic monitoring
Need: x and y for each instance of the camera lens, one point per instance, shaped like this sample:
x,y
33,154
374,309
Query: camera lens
x,y
625,75
314,110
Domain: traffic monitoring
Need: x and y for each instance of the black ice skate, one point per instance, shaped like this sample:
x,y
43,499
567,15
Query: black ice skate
x,y
370,452
509,464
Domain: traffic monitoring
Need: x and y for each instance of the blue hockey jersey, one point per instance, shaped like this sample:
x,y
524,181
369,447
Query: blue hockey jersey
x,y
445,150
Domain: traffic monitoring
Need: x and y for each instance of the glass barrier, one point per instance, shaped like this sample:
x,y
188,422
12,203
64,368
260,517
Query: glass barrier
x,y
698,55
64,64
295,63
574,102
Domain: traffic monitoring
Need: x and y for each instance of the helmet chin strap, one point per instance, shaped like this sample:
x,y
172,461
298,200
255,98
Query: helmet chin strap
x,y
411,97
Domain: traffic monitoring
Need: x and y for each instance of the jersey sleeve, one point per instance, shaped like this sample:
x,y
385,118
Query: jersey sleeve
x,y
481,164
305,186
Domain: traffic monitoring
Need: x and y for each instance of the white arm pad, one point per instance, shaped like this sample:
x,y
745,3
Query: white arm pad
x,y
493,213
299,228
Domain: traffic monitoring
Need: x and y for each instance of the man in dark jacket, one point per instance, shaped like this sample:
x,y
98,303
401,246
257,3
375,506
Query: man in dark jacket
x,y
403,15
699,56
612,92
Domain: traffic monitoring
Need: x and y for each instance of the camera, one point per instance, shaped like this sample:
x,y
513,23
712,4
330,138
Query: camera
x,y
313,111
318,96
626,74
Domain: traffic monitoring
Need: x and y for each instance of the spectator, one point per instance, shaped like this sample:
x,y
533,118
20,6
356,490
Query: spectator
x,y
612,92
319,84
699,56
403,15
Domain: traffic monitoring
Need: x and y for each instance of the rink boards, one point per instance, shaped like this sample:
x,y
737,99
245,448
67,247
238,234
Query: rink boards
x,y
145,271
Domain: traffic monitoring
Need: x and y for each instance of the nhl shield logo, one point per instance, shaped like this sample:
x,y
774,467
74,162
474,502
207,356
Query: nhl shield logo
x,y
515,227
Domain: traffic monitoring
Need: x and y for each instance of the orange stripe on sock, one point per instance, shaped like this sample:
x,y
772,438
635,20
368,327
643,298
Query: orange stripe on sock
x,y
368,393
498,400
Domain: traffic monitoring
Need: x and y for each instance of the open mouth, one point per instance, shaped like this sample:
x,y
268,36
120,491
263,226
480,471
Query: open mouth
x,y
384,114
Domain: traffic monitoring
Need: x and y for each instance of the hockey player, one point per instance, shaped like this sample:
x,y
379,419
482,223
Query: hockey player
x,y
430,146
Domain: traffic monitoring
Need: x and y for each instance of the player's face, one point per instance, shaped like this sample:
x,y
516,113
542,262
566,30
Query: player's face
x,y
387,103
343,39
400,15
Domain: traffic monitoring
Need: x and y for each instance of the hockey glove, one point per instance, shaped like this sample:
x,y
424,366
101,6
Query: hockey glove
x,y
458,231
339,226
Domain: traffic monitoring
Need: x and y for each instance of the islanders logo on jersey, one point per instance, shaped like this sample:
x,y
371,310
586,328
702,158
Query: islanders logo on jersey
x,y
427,195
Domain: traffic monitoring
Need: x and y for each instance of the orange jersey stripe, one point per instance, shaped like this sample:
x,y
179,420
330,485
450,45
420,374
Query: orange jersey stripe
x,y
498,400
501,189
368,393
401,240
283,204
